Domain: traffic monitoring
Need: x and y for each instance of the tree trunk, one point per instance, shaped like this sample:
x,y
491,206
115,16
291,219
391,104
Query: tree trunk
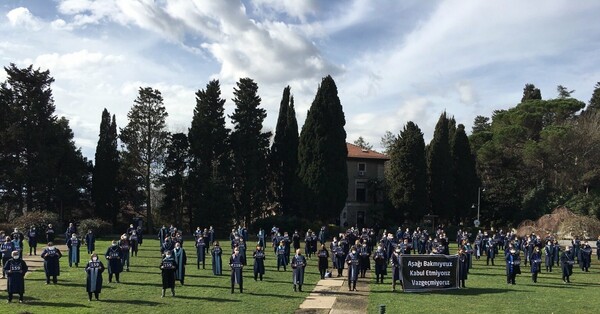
x,y
148,201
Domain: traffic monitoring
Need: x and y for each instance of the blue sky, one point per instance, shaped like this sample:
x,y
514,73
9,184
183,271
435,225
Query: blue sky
x,y
393,61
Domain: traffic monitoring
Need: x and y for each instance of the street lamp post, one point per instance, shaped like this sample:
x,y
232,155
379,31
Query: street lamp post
x,y
479,190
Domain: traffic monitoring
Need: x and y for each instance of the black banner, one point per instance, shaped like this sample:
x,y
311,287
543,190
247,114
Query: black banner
x,y
429,272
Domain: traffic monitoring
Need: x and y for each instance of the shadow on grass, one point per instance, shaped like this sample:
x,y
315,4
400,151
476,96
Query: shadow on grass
x,y
136,302
140,284
274,295
37,302
207,286
211,299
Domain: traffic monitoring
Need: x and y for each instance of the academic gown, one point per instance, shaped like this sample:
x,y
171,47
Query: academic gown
x,y
396,267
259,262
298,265
181,260
94,272
201,250
353,261
513,264
549,258
168,267
217,261
235,262
73,245
281,258
114,255
365,262
90,241
380,262
323,259
536,262
566,263
51,258
15,271
50,235
463,266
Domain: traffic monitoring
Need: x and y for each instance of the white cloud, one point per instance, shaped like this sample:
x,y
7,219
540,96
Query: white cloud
x,y
299,9
79,60
466,93
21,17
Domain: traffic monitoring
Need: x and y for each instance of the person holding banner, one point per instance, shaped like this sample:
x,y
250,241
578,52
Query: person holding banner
x,y
93,284
380,264
15,269
168,267
513,265
566,261
353,261
236,264
259,263
396,268
536,263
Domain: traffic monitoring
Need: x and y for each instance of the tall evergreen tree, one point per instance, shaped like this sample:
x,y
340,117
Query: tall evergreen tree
x,y
250,147
387,140
465,174
174,179
439,164
144,140
322,154
594,103
362,143
105,173
40,167
283,158
530,92
209,192
407,175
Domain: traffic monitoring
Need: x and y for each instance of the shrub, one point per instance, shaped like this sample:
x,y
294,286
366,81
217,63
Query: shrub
x,y
39,219
98,226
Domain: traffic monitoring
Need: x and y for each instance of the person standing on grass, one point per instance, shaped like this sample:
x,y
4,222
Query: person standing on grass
x,y
32,240
281,256
236,264
181,260
94,270
566,262
6,250
463,266
549,256
70,230
586,256
217,260
323,255
490,250
17,239
380,263
134,242
90,242
598,248
200,252
536,263
259,263
51,256
168,267
396,268
298,264
162,235
513,265
124,245
15,269
73,244
114,255
50,233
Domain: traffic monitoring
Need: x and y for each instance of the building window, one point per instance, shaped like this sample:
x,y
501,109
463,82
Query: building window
x,y
362,169
361,191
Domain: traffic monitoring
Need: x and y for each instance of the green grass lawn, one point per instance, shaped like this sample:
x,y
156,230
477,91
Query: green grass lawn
x,y
487,292
139,290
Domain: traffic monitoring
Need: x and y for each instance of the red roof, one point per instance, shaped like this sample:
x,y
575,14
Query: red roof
x,y
357,152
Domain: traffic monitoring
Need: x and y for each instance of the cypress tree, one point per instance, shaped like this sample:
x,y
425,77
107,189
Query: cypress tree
x,y
105,173
594,103
465,174
439,165
284,156
249,151
208,182
407,175
322,155
530,92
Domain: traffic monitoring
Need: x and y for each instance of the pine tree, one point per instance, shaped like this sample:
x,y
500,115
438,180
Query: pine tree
x,y
250,147
105,173
439,164
465,174
283,158
174,179
144,140
322,155
407,175
209,193
362,143
530,92
594,103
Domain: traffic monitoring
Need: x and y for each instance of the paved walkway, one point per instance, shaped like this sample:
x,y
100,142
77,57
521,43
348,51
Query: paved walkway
x,y
331,296
35,261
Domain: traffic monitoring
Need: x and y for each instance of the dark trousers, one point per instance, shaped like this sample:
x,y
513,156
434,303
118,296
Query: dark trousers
x,y
549,268
322,272
34,249
10,297
110,276
96,294
510,278
258,275
534,277
54,279
488,260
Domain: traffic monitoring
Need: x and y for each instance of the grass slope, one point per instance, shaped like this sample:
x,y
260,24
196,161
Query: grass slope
x,y
487,292
139,290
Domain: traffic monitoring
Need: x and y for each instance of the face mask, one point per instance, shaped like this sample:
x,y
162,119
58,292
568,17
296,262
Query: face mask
x,y
168,256
16,257
353,252
94,259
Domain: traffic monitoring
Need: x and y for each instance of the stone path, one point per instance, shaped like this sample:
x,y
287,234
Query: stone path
x,y
35,261
331,296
